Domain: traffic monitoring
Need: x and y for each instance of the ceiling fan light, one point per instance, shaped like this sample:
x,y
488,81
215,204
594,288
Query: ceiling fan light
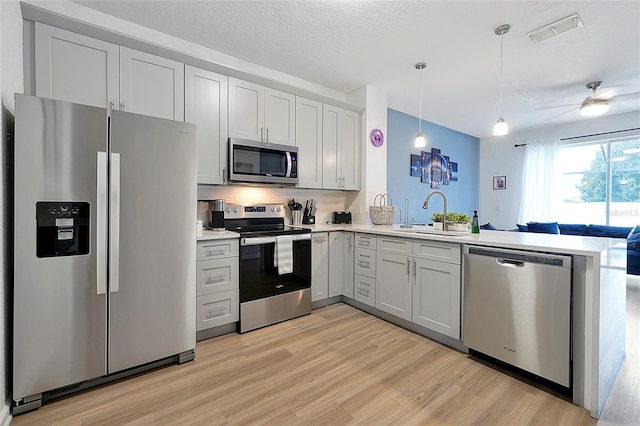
x,y
420,141
501,128
591,107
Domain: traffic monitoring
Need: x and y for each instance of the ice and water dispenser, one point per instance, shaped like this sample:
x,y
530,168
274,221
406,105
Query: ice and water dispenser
x,y
62,228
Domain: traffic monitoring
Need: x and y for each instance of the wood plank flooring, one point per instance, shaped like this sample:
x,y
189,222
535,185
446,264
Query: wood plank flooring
x,y
336,366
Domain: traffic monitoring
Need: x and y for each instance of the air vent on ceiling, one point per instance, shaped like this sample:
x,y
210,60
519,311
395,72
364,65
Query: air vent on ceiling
x,y
551,30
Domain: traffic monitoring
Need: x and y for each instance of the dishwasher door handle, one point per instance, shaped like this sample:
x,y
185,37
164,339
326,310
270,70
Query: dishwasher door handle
x,y
509,263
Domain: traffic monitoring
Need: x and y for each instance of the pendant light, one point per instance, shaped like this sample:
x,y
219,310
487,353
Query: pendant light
x,y
501,127
420,141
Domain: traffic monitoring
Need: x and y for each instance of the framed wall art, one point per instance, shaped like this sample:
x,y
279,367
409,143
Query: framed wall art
x,y
499,182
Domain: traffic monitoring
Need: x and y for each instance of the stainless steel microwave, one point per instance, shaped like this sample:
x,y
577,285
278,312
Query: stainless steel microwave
x,y
253,161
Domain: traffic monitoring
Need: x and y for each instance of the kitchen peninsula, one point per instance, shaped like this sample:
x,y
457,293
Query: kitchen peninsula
x,y
598,295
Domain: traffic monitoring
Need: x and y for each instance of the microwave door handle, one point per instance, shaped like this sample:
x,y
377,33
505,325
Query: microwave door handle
x,y
289,164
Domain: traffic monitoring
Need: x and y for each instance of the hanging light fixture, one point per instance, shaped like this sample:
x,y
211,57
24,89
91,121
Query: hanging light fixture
x,y
420,141
501,127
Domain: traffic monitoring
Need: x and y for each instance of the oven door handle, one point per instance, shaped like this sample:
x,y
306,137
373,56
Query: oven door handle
x,y
256,241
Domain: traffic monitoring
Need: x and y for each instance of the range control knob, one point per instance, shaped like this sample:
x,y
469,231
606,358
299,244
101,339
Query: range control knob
x,y
235,210
278,209
228,210
273,209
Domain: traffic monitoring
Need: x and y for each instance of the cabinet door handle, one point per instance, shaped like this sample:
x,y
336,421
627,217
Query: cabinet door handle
x,y
219,278
262,134
267,134
408,266
214,252
363,264
414,270
215,312
122,106
362,292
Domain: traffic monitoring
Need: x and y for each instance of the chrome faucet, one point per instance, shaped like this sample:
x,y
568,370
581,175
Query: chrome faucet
x,y
444,197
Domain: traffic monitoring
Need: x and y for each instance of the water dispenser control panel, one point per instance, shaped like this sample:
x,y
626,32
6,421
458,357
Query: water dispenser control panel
x,y
62,228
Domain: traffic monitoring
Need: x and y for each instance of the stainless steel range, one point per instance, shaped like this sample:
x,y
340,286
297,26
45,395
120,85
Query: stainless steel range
x,y
275,265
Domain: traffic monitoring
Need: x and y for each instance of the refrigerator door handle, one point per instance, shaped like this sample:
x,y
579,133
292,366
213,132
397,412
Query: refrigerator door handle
x,y
114,229
101,224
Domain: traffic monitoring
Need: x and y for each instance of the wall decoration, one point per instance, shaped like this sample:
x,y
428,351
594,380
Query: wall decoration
x,y
425,168
433,168
415,166
436,168
453,168
499,182
377,137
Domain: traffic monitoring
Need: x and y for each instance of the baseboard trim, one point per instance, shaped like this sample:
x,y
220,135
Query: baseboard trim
x,y
5,414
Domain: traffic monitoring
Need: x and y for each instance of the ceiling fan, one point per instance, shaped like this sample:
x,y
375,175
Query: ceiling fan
x,y
599,101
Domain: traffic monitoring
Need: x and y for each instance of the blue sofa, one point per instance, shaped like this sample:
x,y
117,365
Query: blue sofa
x,y
632,234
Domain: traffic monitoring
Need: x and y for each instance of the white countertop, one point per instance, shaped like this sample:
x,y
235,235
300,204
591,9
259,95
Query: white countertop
x,y
216,235
565,244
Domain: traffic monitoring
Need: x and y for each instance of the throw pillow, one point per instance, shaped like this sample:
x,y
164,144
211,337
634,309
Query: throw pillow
x,y
571,229
609,231
543,227
633,241
522,228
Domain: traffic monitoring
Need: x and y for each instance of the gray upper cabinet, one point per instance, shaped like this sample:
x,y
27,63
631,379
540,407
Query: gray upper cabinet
x,y
206,106
260,113
76,68
151,85
309,142
340,148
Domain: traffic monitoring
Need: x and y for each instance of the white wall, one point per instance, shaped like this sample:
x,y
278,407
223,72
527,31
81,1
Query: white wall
x,y
10,83
499,157
373,173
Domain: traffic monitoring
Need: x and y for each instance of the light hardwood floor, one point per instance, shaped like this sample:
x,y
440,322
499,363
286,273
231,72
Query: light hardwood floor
x,y
337,366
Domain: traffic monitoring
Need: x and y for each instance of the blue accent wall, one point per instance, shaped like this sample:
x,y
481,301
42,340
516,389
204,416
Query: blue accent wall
x,y
464,149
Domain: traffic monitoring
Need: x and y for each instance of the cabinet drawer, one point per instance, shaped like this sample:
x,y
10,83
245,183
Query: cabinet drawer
x,y
365,262
366,241
217,309
365,290
442,252
390,245
217,275
217,249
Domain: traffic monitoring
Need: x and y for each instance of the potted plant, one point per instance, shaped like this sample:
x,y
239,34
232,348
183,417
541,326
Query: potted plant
x,y
455,221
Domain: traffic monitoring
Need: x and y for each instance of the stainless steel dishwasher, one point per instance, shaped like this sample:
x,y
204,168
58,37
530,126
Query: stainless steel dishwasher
x,y
517,309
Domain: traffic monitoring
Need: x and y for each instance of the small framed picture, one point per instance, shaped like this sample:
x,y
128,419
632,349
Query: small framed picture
x,y
416,166
499,182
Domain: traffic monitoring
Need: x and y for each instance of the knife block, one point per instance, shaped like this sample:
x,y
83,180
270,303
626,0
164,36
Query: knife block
x,y
308,220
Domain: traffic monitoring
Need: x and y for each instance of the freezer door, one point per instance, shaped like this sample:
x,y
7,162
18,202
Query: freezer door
x,y
59,312
152,239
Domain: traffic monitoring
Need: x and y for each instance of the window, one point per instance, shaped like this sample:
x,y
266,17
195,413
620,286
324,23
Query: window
x,y
601,182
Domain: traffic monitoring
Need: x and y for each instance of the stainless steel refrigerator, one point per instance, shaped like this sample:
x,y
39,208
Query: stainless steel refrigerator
x,y
104,245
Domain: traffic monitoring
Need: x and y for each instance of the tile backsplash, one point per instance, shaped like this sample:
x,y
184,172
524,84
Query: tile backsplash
x,y
328,201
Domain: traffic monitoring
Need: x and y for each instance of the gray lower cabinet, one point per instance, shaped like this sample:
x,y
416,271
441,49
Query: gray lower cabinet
x,y
341,255
393,276
364,277
217,294
364,289
420,281
437,286
319,266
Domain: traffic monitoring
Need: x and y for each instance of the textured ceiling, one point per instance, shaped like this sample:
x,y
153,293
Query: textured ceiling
x,y
344,45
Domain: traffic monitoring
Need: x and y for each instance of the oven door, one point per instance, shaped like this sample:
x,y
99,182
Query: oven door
x,y
252,161
259,276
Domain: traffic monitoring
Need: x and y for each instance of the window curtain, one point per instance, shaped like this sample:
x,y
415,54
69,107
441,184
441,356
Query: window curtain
x,y
540,180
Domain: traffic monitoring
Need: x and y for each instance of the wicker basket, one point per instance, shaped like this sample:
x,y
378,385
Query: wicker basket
x,y
381,213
